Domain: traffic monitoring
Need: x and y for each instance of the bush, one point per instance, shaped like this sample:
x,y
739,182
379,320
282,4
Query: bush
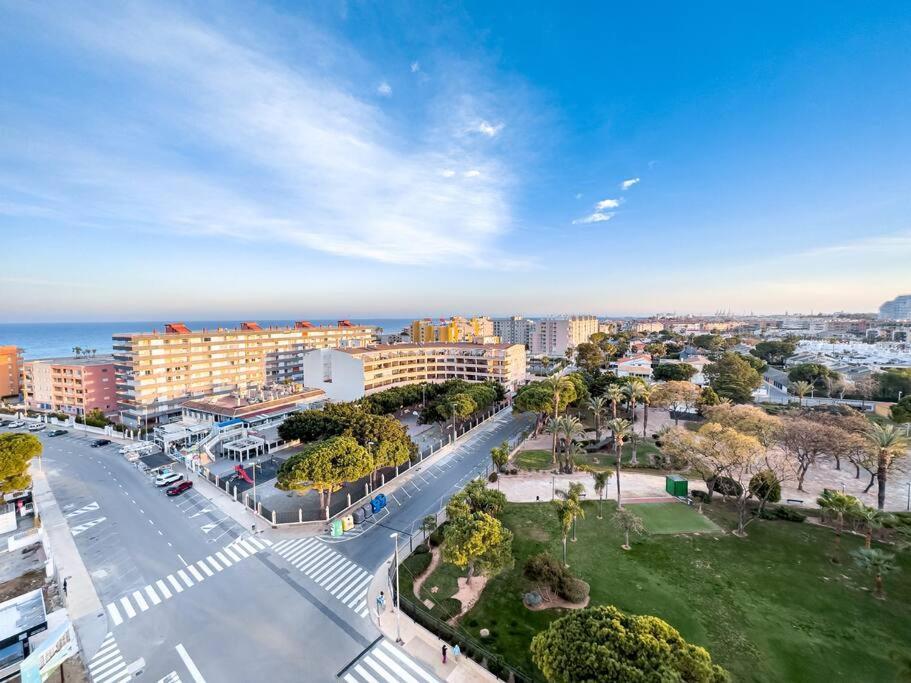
x,y
783,513
417,564
447,608
727,487
765,486
421,548
701,496
573,589
544,569
436,538
492,477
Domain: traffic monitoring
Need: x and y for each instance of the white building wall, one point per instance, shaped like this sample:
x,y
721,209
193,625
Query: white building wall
x,y
339,374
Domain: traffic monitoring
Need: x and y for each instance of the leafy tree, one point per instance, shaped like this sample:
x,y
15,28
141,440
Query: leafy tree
x,y
621,430
476,497
562,392
597,406
325,466
901,411
94,418
676,396
429,525
16,452
840,504
599,339
629,523
534,397
602,479
733,377
747,420
888,444
775,352
877,563
589,356
667,372
478,542
709,342
814,374
765,487
707,398
500,455
311,425
656,349
801,388
614,394
567,510
888,384
609,646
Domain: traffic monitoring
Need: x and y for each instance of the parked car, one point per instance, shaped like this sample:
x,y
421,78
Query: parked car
x,y
57,432
15,424
180,488
167,479
97,443
38,427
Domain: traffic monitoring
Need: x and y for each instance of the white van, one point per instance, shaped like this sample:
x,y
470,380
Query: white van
x,y
168,479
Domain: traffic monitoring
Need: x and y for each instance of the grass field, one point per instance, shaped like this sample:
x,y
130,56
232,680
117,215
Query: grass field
x,y
672,518
541,460
533,460
770,607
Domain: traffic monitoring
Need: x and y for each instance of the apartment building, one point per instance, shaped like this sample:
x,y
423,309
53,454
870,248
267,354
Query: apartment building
x,y
75,386
898,308
10,370
555,336
454,329
349,374
514,330
158,371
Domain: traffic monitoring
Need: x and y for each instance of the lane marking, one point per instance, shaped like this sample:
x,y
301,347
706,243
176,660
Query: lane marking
x,y
191,667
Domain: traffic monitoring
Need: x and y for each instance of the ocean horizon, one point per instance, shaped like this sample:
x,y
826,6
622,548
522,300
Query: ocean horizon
x,y
50,340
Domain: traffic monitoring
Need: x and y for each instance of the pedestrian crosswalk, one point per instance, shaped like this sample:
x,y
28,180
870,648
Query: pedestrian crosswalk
x,y
386,661
91,507
172,677
85,526
139,601
343,579
107,666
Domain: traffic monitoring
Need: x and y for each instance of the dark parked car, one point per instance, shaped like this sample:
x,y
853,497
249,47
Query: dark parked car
x,y
57,432
180,488
99,442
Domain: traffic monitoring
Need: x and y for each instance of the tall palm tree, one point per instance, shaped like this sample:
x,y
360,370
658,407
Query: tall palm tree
x,y
566,514
621,430
872,519
614,394
574,494
571,428
629,395
570,453
801,388
77,350
645,395
601,481
634,440
556,385
597,406
628,523
841,504
553,427
877,563
888,443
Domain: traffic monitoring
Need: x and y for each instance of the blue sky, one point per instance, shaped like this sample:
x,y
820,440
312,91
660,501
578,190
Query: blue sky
x,y
392,159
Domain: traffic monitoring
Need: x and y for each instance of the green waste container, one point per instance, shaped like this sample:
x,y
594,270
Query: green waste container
x,y
336,527
675,485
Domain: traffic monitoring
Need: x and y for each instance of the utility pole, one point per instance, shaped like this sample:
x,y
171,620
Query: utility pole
x,y
398,624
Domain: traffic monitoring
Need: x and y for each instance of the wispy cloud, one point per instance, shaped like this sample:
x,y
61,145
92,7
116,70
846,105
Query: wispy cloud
x,y
627,184
384,89
489,129
280,152
474,173
597,217
895,243
607,204
415,67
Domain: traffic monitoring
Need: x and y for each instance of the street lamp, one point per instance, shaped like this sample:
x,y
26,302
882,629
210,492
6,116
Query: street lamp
x,y
398,625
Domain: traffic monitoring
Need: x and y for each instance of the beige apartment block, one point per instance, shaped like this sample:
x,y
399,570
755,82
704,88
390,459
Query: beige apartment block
x,y
158,371
350,374
553,337
75,386
10,369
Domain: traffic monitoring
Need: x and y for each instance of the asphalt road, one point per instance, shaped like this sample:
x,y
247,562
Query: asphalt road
x,y
190,595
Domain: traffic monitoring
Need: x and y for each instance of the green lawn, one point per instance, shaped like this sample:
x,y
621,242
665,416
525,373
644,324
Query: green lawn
x,y
533,460
672,518
770,607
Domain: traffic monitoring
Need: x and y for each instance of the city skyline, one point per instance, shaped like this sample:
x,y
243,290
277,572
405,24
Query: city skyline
x,y
175,162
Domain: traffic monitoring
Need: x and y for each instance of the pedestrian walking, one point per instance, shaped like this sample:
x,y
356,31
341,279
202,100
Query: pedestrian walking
x,y
64,587
456,651
444,653
380,603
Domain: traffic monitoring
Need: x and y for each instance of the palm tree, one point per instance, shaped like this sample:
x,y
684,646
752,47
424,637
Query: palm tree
x,y
877,563
628,523
77,350
571,428
553,426
572,450
888,443
601,481
556,385
621,430
629,394
872,519
841,504
575,493
634,440
645,394
597,406
801,388
614,394
567,511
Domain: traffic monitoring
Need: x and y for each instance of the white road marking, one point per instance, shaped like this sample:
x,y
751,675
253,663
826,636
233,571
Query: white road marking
x,y
191,667
153,596
183,577
127,608
175,583
115,614
141,601
163,588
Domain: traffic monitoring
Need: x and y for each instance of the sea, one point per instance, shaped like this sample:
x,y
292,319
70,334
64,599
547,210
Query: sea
x,y
51,340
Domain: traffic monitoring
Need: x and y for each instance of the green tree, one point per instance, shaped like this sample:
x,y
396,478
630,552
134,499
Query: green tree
x,y
567,509
428,525
656,349
628,523
901,411
709,342
733,377
562,393
589,356
877,563
478,542
872,519
801,388
609,646
325,466
775,352
765,487
621,430
676,396
602,479
16,452
534,397
707,398
814,374
476,497
840,504
666,372
888,444
890,383
614,394
597,406
500,455
311,425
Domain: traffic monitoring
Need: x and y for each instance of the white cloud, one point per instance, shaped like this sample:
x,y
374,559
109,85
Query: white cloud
x,y
415,67
474,173
627,184
280,154
447,173
489,129
607,204
384,89
578,195
597,217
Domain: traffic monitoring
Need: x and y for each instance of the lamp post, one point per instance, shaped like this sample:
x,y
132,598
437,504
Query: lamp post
x,y
398,625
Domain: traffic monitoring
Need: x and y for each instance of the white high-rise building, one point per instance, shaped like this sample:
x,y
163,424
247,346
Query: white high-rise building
x,y
514,330
897,309
554,336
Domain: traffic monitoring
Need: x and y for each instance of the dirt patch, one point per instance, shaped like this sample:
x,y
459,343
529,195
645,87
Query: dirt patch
x,y
435,558
468,594
559,603
536,534
22,584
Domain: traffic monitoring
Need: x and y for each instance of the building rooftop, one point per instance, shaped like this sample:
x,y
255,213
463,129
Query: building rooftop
x,y
255,402
172,330
75,360
21,614
429,345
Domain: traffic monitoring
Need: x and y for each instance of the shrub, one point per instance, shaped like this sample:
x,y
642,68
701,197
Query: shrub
x,y
492,477
765,486
421,548
573,589
783,513
701,496
727,487
436,538
448,607
545,570
417,564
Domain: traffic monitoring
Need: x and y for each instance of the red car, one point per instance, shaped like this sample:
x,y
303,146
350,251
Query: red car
x,y
180,488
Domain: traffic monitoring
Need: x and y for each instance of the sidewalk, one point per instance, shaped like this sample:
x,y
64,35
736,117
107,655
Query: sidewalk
x,y
82,601
420,643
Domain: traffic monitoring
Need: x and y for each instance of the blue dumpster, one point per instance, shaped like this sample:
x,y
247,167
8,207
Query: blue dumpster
x,y
378,503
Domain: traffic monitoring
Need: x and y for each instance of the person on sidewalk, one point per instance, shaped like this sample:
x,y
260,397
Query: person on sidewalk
x,y
380,605
456,651
444,653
